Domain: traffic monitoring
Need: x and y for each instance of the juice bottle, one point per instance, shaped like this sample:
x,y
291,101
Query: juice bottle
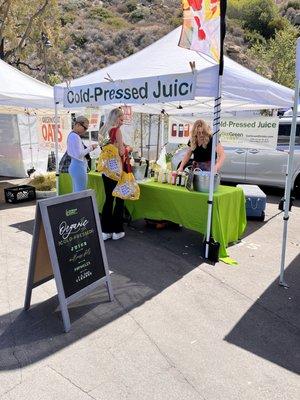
x,y
174,176
180,130
174,130
186,131
178,179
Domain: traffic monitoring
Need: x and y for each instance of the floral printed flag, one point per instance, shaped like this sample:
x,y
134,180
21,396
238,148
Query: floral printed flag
x,y
203,21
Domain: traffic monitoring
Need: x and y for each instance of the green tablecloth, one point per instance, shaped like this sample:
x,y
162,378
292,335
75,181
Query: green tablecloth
x,y
167,202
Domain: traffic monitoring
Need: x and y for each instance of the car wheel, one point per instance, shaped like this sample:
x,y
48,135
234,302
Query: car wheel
x,y
296,190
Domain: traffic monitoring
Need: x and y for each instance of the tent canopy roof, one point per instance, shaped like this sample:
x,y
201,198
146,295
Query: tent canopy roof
x,y
21,90
242,89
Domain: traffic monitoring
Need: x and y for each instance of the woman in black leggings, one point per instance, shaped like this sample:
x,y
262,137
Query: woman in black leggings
x,y
112,214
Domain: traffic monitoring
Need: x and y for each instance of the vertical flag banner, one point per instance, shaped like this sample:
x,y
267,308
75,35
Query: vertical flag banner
x,y
201,27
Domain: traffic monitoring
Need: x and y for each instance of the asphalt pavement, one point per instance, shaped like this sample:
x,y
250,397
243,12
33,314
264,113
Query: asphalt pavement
x,y
179,328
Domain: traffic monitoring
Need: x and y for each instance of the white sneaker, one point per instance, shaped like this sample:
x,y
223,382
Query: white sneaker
x,y
106,236
116,236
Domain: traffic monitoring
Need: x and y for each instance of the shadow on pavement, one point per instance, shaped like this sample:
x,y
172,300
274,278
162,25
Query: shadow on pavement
x,y
274,317
141,270
9,206
25,226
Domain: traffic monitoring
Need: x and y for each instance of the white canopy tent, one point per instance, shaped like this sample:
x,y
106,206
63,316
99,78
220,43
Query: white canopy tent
x,y
21,97
290,113
151,81
19,91
242,89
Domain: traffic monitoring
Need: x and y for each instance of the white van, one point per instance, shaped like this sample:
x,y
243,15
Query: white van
x,y
257,166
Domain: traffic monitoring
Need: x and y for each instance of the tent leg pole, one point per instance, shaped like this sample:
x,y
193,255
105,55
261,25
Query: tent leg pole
x,y
288,180
216,129
90,132
149,137
283,251
30,140
56,147
142,135
158,136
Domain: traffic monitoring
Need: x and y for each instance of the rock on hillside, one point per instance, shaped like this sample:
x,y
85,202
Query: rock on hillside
x,y
96,33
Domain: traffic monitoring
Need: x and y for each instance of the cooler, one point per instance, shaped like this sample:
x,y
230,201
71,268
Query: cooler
x,y
255,201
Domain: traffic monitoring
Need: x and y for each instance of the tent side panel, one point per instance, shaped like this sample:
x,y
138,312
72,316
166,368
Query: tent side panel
x,y
11,164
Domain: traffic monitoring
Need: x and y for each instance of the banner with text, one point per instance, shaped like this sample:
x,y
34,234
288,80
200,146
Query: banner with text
x,y
46,132
128,115
94,116
136,91
255,132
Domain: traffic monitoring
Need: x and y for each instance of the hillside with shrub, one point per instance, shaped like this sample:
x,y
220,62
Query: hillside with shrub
x,y
75,37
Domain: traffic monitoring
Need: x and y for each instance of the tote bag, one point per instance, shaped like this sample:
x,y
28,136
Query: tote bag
x,y
110,163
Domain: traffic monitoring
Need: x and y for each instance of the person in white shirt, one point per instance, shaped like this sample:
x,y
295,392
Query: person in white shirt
x,y
77,151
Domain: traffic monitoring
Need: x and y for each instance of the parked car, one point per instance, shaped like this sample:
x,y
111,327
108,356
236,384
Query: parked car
x,y
257,166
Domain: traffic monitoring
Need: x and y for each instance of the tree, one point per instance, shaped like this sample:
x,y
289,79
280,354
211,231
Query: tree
x,y
22,24
277,56
261,16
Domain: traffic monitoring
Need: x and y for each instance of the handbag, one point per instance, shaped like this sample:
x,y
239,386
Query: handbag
x,y
64,163
127,187
88,159
110,163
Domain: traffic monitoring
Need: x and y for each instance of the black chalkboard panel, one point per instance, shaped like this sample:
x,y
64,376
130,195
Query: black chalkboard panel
x,y
76,242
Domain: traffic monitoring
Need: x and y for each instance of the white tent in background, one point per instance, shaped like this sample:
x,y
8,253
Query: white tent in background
x,y
242,89
20,90
20,94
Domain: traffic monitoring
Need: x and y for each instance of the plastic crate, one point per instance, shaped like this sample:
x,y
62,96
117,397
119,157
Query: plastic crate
x,y
18,194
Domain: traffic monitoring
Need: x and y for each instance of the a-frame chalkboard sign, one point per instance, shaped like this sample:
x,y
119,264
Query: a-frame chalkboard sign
x,y
67,244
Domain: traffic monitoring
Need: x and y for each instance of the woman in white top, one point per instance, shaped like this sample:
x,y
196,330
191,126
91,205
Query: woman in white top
x,y
77,152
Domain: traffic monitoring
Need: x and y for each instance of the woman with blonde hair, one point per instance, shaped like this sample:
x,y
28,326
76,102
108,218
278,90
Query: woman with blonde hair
x,y
200,146
112,214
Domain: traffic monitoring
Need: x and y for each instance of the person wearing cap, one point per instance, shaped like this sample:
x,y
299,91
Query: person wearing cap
x,y
77,151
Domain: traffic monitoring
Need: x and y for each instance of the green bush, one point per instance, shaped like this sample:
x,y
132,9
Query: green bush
x,y
131,5
100,13
67,18
117,23
253,37
295,4
136,16
234,9
73,5
258,16
44,182
175,21
276,57
108,17
261,16
53,79
79,39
